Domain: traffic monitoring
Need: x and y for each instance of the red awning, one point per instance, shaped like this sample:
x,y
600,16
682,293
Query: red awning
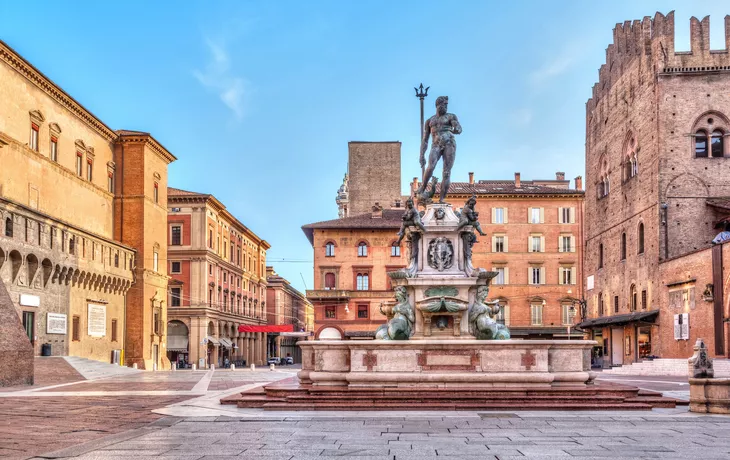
x,y
269,328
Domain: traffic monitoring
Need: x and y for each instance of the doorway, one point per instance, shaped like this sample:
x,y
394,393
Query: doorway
x,y
29,325
155,356
617,346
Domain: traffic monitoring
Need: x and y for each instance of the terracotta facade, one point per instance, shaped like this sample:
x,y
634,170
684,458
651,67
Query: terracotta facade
x,y
286,305
656,155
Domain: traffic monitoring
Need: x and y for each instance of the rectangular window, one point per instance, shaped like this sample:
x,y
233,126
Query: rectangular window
x,y
89,169
534,215
501,316
566,217
499,279
232,253
175,294
34,136
362,311
330,311
568,314
363,280
155,261
225,277
156,193
395,250
156,323
536,314
79,164
210,238
535,245
535,272
176,235
643,299
54,149
565,244
76,329
498,216
566,275
615,304
110,182
29,325
114,330
499,244
176,267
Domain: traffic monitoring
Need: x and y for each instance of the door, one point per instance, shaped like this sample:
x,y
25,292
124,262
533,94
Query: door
x,y
155,357
28,325
617,346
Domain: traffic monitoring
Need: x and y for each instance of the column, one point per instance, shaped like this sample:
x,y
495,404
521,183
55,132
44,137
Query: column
x,y
214,356
249,354
262,346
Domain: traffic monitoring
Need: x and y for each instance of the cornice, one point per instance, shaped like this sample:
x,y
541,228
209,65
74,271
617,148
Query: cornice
x,y
24,68
150,141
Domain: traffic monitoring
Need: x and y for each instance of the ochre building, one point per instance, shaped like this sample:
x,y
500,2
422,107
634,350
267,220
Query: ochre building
x,y
533,240
217,267
287,306
82,224
657,168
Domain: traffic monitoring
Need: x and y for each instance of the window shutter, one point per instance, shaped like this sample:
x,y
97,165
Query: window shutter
x,y
572,275
529,275
506,275
542,215
494,243
542,275
572,215
560,216
494,215
572,243
560,275
506,315
505,244
504,213
542,244
529,244
560,243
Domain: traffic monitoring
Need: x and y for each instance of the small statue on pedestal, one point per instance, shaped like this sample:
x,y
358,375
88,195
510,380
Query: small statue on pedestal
x,y
410,217
482,324
401,318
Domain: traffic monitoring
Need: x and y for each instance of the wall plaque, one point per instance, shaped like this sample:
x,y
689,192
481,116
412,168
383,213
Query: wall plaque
x,y
28,300
56,323
97,320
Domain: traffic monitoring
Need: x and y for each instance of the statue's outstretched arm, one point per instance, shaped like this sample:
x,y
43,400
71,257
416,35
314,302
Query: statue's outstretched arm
x,y
455,125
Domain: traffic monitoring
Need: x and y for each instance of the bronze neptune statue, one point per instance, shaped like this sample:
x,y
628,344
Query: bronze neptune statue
x,y
441,127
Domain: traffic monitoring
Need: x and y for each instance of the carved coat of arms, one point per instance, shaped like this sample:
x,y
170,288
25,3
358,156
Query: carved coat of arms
x,y
440,254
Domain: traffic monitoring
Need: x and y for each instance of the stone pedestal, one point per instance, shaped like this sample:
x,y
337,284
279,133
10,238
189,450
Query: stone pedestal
x,y
16,351
709,395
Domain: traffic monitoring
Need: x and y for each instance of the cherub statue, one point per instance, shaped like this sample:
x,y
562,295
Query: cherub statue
x,y
469,216
402,316
482,324
411,217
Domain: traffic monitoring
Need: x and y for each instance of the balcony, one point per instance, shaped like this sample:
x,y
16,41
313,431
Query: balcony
x,y
328,294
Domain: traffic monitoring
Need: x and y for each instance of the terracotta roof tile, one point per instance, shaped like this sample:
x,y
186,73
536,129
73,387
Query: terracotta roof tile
x,y
129,132
180,192
506,188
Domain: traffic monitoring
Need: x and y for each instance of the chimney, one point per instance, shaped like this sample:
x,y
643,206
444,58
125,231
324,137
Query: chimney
x,y
471,178
579,183
377,211
559,175
517,180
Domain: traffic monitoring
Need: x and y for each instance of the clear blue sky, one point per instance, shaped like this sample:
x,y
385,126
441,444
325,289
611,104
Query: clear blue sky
x,y
259,99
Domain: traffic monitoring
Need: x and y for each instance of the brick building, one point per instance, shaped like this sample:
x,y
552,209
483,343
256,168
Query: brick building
x,y
534,234
81,223
287,306
217,267
656,156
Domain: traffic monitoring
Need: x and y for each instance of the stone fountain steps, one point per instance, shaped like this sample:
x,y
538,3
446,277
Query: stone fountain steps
x,y
303,397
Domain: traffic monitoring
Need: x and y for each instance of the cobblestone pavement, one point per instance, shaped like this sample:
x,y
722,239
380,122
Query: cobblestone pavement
x,y
667,434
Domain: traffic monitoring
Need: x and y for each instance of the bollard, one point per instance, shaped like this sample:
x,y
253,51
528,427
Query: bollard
x,y
253,367
154,367
134,365
195,367
271,367
233,367
212,367
173,366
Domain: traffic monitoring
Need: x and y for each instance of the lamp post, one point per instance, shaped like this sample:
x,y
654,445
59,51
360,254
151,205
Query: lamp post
x,y
421,94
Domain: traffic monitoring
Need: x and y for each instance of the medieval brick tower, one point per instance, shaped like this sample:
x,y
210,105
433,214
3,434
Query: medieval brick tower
x,y
373,176
657,153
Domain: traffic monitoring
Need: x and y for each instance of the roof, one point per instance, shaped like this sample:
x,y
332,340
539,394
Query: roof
x,y
151,141
616,320
721,203
391,219
506,187
180,192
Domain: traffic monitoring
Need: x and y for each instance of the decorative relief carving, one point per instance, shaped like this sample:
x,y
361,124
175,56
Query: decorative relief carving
x,y
440,254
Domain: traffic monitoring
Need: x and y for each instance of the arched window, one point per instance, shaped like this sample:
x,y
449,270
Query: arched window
x,y
329,281
641,238
362,249
600,255
631,163
701,144
329,249
634,298
717,144
395,250
362,281
9,227
623,246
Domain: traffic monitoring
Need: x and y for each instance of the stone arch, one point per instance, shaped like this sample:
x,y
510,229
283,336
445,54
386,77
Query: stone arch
x,y
31,263
2,258
683,185
211,328
16,261
47,271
